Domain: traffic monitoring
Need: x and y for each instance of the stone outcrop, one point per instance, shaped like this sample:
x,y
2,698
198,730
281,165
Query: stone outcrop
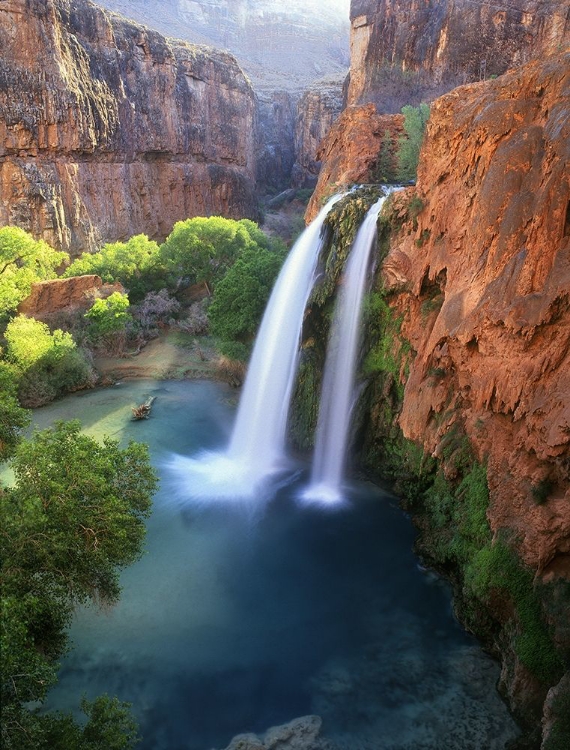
x,y
108,129
317,110
349,153
404,52
56,295
482,273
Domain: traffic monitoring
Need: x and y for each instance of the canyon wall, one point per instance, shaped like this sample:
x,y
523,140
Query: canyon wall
x,y
481,275
317,110
407,51
281,46
108,129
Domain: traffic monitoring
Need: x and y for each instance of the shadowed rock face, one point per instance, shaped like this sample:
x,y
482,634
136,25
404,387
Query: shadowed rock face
x,y
405,51
108,129
492,246
318,108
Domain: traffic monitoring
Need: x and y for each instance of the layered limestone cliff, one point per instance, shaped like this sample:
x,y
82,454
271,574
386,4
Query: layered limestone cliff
x,y
482,276
405,52
317,110
108,129
349,152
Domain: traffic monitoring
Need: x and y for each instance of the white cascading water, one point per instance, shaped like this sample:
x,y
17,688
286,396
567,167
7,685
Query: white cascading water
x,y
338,380
257,446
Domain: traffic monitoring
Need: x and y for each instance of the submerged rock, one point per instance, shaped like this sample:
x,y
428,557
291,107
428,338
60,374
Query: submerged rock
x,y
300,734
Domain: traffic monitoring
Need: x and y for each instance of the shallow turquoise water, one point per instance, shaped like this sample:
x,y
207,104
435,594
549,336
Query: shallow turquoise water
x,y
239,618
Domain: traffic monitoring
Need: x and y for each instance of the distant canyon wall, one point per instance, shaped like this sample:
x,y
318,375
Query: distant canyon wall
x,y
108,129
407,51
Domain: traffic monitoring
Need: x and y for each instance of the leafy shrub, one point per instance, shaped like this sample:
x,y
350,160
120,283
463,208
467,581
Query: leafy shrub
x,y
74,518
240,297
108,320
23,261
48,364
12,417
134,263
415,121
196,321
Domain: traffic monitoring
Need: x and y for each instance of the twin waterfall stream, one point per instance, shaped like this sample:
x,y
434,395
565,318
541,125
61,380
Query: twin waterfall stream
x,y
257,450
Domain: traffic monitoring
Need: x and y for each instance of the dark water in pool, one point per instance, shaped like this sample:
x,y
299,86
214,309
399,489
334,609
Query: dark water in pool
x,y
240,618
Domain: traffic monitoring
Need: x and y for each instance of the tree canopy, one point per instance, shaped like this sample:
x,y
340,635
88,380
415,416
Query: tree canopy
x,y
134,263
240,297
73,519
23,261
203,249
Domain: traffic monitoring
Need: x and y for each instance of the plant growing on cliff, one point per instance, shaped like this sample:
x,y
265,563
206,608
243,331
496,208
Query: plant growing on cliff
x,y
23,261
415,121
73,519
385,170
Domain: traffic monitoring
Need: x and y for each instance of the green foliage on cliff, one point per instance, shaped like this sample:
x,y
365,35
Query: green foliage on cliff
x,y
134,263
45,364
342,222
495,567
388,347
415,121
73,519
23,261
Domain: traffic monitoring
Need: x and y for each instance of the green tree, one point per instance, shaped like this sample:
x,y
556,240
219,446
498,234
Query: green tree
x,y
12,417
240,297
134,263
47,364
108,320
415,121
385,165
73,519
23,261
201,250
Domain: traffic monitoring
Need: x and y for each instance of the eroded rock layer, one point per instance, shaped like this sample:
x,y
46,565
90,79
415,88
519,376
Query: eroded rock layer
x,y
405,51
349,152
483,280
317,110
108,129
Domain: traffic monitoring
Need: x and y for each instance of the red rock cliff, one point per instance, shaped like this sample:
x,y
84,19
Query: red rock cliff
x,y
108,129
406,51
483,276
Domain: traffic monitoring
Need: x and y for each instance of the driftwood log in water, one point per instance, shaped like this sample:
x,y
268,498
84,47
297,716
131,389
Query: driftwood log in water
x,y
143,410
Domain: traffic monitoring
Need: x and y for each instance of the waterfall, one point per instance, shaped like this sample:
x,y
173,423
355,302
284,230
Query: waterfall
x,y
257,445
338,379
